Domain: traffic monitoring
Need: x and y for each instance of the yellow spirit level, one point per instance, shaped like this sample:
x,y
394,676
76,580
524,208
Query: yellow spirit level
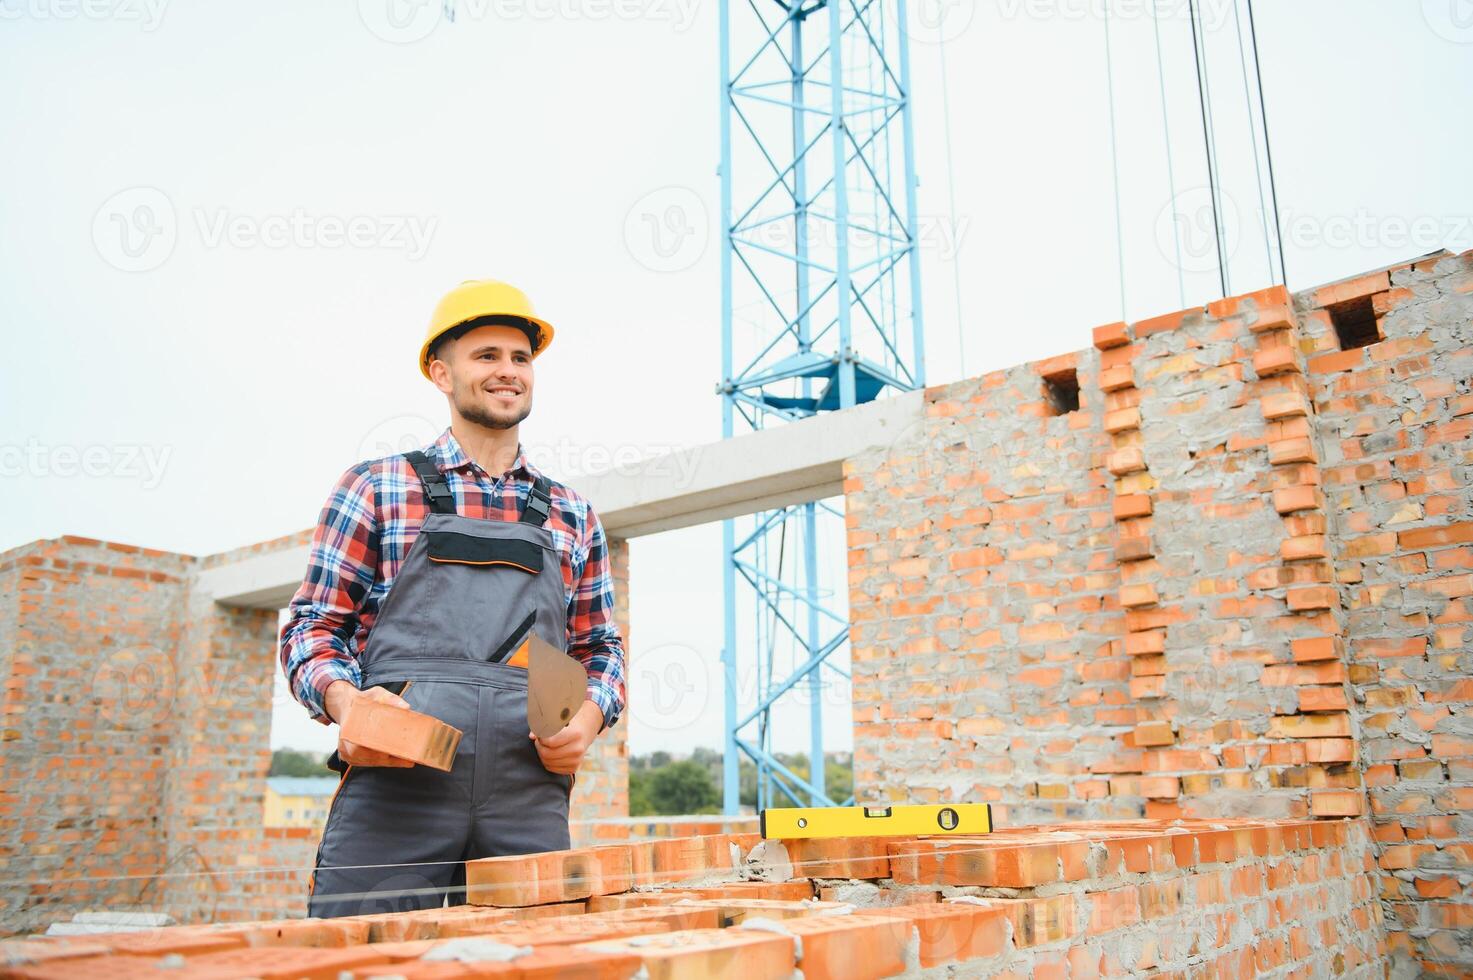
x,y
919,820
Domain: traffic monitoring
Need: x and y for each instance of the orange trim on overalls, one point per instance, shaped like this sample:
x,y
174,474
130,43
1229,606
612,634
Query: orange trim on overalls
x,y
495,561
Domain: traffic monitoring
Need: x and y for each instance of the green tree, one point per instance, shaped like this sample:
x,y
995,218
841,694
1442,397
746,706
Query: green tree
x,y
682,787
295,762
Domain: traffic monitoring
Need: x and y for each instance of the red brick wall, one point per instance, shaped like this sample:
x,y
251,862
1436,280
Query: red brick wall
x,y
136,740
1396,426
89,640
983,627
1234,582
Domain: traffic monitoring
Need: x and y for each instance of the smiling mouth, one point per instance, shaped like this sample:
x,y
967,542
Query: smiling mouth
x,y
505,392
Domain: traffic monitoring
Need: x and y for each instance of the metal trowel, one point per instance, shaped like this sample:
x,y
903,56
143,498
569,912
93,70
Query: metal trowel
x,y
557,686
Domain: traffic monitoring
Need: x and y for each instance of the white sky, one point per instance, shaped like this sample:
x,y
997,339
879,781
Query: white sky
x,y
216,378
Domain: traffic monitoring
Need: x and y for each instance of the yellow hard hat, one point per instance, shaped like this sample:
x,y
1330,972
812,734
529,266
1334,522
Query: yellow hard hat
x,y
476,298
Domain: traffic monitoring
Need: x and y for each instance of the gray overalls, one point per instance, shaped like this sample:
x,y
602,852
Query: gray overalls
x,y
466,594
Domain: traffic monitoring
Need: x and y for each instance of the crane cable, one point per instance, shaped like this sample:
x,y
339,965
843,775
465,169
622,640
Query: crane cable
x,y
1267,149
1204,102
1114,161
1268,247
956,267
1181,286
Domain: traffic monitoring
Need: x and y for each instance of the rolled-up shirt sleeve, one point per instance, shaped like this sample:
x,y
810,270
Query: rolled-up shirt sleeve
x,y
323,614
593,635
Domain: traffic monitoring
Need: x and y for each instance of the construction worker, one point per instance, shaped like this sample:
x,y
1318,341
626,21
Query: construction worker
x,y
426,572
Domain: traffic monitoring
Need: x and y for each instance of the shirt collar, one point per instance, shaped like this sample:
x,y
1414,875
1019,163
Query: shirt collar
x,y
450,456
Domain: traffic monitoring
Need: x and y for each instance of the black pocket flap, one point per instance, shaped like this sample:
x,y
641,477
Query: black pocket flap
x,y
468,549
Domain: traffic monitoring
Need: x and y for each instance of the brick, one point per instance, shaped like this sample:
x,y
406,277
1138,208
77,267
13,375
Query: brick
x,y
854,947
1434,537
1263,299
1366,285
531,879
730,911
1322,699
1288,500
950,932
1134,547
1127,460
715,954
1336,803
1122,420
1145,643
1041,921
1283,405
283,962
1269,361
1117,908
1163,324
1310,726
1329,750
1129,505
839,857
1154,733
1315,648
401,732
1313,597
615,869
1116,378
1291,451
1279,316
1110,335
1305,546
1138,594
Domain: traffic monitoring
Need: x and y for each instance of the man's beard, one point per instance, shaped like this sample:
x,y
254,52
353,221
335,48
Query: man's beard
x,y
470,410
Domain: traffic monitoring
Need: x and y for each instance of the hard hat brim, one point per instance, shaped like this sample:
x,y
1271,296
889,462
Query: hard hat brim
x,y
544,328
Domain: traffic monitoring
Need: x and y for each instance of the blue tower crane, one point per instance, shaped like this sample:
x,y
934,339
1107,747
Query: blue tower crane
x,y
821,311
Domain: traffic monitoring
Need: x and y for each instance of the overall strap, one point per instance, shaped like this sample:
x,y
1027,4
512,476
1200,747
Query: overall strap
x,y
442,501
539,503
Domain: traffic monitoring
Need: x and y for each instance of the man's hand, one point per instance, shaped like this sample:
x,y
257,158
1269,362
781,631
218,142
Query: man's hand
x,y
341,694
563,752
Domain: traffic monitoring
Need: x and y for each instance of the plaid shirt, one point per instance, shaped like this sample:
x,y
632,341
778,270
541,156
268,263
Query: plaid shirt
x,y
364,533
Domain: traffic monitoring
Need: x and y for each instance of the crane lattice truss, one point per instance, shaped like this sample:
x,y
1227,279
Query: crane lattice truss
x,y
820,311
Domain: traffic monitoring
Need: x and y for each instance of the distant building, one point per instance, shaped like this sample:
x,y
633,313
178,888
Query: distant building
x,y
298,801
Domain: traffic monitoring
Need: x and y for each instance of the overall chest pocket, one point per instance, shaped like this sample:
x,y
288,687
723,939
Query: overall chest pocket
x,y
455,548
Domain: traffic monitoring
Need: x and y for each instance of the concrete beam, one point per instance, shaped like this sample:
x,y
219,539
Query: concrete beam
x,y
789,464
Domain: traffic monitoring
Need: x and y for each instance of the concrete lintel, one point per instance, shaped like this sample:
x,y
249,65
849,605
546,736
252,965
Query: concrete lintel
x,y
789,464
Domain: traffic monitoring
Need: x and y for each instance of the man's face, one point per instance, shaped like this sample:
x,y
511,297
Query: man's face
x,y
487,372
